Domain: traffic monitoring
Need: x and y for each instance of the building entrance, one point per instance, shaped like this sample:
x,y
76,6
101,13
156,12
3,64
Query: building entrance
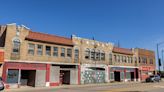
x,y
132,76
65,77
28,77
117,76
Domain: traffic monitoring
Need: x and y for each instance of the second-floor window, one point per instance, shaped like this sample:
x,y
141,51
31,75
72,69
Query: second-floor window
x,y
16,46
97,55
87,54
93,54
40,49
151,61
103,56
69,52
110,57
55,51
62,52
31,49
76,55
48,50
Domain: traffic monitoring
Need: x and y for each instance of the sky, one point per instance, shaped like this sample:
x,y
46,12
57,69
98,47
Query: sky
x,y
132,23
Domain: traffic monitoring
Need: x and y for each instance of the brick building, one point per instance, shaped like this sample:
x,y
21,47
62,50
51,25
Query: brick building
x,y
123,66
37,59
146,63
94,58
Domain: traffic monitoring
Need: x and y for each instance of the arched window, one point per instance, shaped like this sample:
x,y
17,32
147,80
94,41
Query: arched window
x,y
16,46
87,54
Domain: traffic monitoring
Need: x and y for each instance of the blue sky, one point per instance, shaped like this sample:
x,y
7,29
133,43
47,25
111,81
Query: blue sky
x,y
134,23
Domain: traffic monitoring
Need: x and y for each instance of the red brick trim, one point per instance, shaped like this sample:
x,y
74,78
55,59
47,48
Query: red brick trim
x,y
54,84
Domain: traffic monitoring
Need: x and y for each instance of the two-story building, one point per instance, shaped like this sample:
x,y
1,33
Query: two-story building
x,y
146,63
93,58
123,65
37,59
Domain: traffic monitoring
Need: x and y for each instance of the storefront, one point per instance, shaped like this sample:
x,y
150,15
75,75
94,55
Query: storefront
x,y
19,74
91,74
146,71
122,74
24,74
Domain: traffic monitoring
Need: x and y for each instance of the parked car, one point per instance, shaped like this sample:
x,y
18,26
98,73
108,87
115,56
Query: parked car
x,y
1,84
153,78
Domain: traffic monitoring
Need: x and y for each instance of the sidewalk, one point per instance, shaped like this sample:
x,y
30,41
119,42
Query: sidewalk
x,y
66,86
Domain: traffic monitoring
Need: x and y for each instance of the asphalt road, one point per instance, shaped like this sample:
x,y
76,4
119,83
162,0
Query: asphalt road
x,y
124,87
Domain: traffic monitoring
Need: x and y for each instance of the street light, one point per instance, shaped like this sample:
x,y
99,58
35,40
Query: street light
x,y
159,60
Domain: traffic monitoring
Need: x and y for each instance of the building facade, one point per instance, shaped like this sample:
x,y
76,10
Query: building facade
x,y
37,59
94,58
123,66
146,63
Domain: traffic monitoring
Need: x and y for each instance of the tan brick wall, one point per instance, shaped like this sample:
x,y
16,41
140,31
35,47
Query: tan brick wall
x,y
148,54
82,44
11,34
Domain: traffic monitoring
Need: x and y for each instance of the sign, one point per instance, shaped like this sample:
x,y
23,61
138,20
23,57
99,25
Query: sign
x,y
1,56
27,66
147,68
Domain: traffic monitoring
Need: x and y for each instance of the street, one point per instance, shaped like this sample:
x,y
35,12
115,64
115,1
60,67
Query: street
x,y
115,87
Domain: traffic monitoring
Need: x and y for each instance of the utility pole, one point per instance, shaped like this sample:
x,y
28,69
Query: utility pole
x,y
162,60
159,61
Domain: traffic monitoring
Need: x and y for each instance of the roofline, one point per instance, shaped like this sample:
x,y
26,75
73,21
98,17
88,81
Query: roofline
x,y
29,39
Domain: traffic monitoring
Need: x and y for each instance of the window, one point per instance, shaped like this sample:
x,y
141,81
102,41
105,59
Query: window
x,y
92,54
118,58
151,61
12,76
139,59
55,51
87,54
110,57
115,58
131,60
62,52
16,46
124,59
103,55
128,59
135,59
40,49
76,55
48,50
98,55
69,52
31,48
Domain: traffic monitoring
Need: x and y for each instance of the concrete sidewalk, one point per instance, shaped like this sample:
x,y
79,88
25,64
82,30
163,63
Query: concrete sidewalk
x,y
66,86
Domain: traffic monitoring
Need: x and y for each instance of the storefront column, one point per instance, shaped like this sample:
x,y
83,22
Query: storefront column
x,y
139,75
125,80
19,78
4,73
109,74
48,75
135,75
79,74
